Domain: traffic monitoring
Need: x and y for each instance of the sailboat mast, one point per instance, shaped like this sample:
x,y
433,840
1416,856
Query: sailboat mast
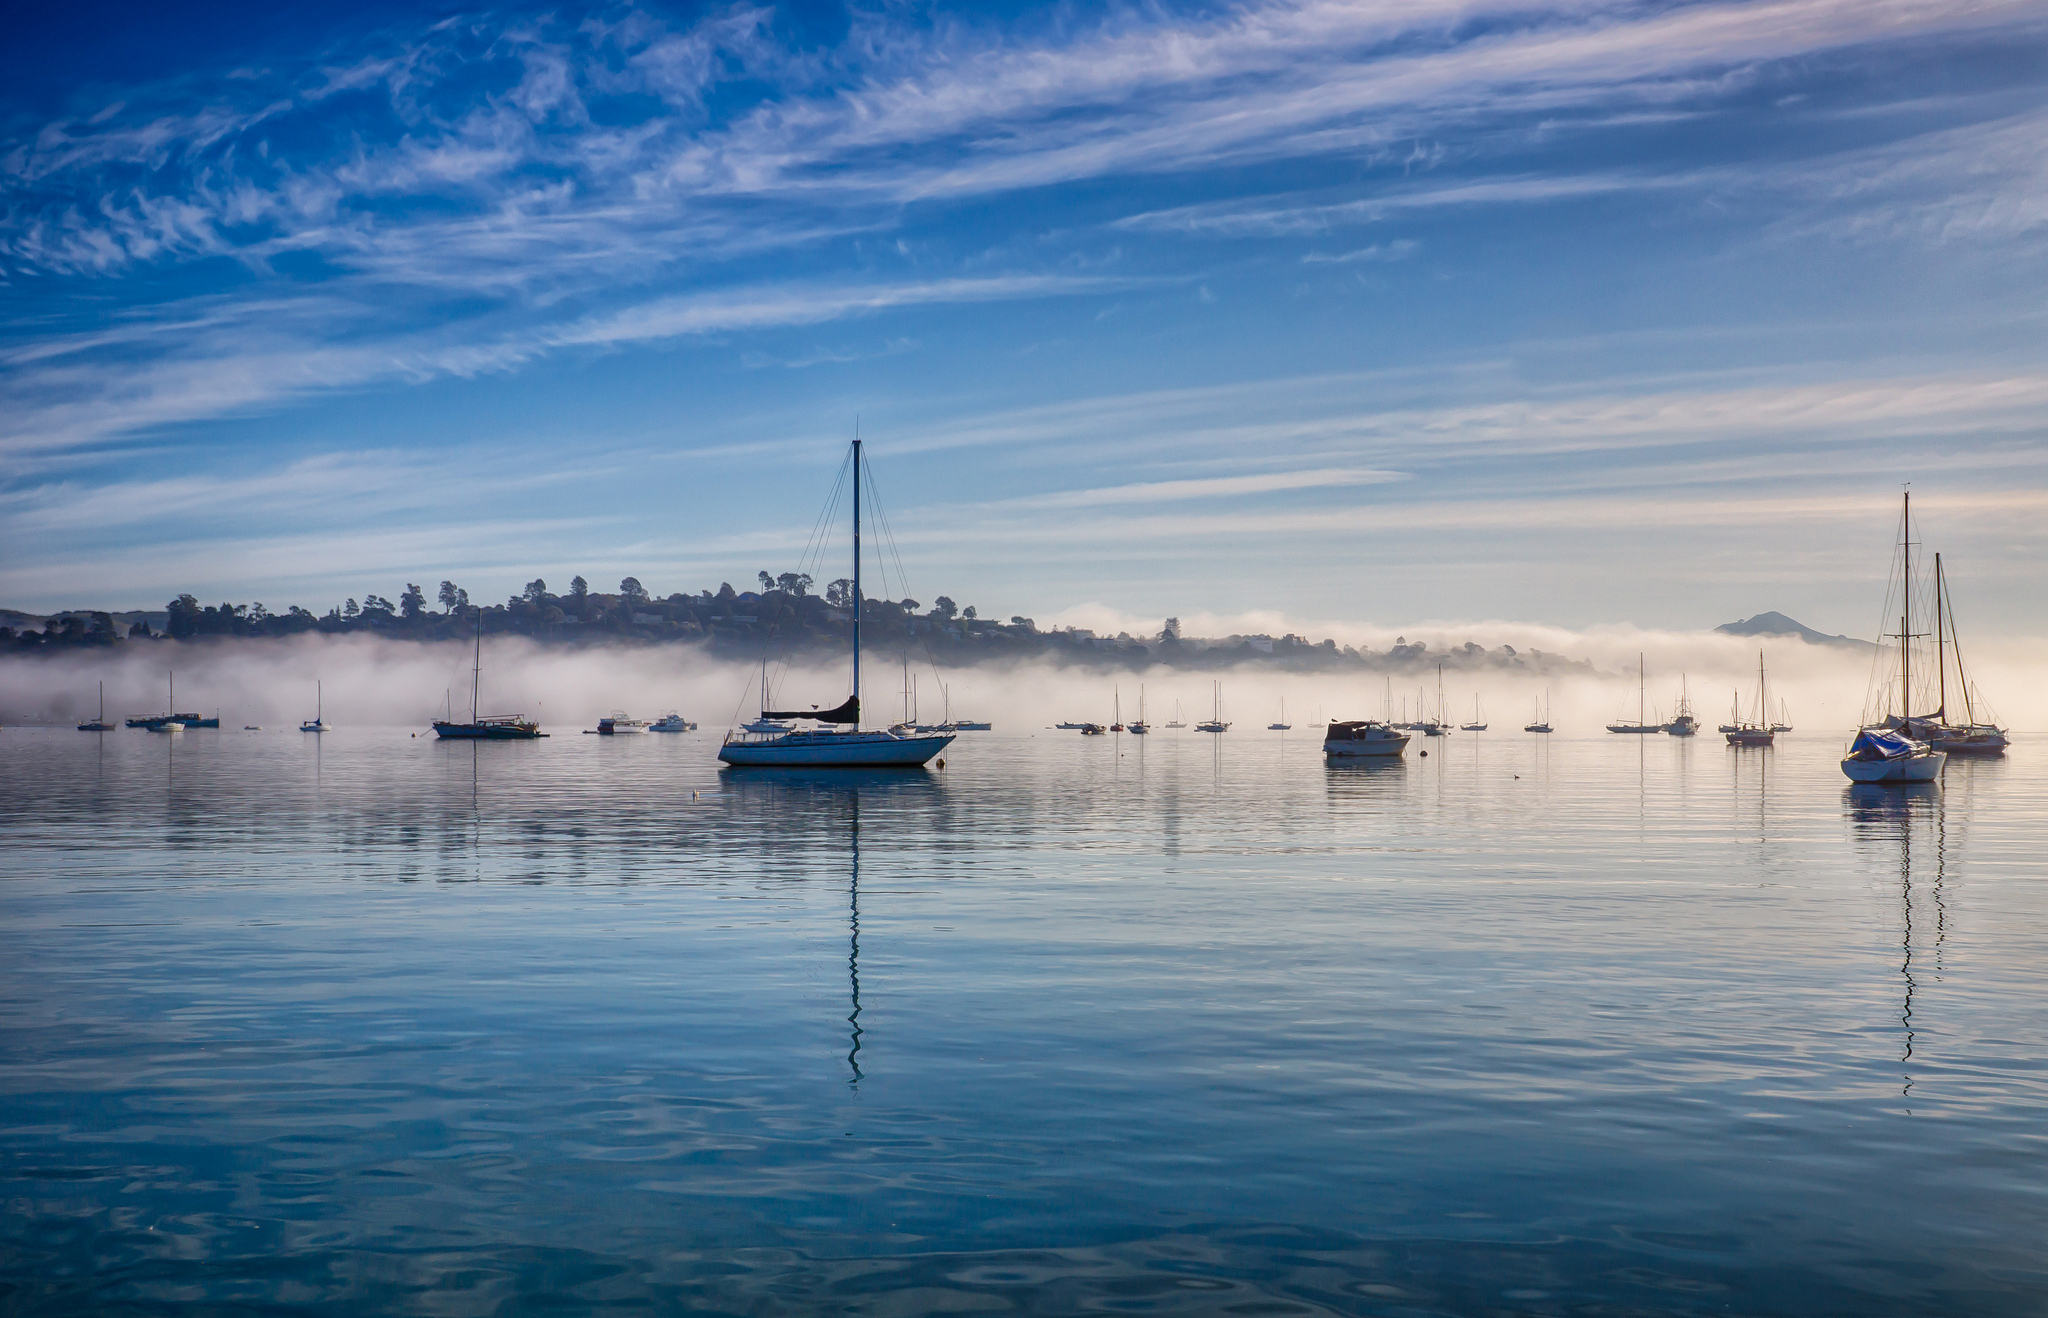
x,y
1906,619
1642,685
1940,646
1962,674
856,578
476,668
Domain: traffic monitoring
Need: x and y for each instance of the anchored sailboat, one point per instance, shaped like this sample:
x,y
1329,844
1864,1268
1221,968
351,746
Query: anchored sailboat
x,y
1215,722
1885,749
1970,736
488,727
838,741
318,723
99,724
1642,723
1541,721
1756,732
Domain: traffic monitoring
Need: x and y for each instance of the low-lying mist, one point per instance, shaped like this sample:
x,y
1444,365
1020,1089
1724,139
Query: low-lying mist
x,y
369,681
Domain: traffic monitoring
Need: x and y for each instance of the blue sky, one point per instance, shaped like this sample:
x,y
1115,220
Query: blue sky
x,y
1575,313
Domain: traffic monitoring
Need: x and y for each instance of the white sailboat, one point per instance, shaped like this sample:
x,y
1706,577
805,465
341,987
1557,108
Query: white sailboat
x,y
1478,724
1642,724
1215,722
318,723
1176,722
1972,736
1884,749
1756,732
100,723
838,740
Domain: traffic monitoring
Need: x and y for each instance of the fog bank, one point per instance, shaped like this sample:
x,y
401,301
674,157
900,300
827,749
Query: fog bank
x,y
370,681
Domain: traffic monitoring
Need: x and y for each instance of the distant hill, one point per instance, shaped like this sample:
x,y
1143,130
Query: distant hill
x,y
1777,624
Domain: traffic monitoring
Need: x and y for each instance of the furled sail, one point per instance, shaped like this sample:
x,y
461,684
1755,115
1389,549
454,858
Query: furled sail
x,y
846,713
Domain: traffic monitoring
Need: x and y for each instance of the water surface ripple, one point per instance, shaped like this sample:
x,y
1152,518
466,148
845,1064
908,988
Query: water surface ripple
x,y
366,1022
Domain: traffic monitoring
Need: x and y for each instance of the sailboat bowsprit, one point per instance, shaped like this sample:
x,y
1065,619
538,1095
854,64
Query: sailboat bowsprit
x,y
839,741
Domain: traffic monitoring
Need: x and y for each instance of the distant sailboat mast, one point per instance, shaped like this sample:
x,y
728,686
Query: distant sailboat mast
x,y
856,576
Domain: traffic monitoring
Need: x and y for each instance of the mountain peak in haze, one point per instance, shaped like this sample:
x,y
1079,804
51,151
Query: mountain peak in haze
x,y
1777,624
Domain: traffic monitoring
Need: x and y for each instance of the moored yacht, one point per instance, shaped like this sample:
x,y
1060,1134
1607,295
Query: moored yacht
x,y
1887,748
485,727
1757,732
1215,723
671,722
318,723
1683,724
837,740
619,724
1970,736
1642,723
1881,756
1362,739
100,723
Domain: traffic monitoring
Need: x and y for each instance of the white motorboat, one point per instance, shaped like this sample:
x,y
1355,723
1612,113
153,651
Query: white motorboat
x,y
969,725
620,724
1683,724
839,741
1362,739
671,722
765,724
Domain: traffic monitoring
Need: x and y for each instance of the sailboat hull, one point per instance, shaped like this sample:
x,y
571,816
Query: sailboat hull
x,y
1384,748
487,731
1905,769
833,750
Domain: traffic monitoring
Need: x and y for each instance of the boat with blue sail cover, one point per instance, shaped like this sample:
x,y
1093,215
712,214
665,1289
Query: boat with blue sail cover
x,y
1885,748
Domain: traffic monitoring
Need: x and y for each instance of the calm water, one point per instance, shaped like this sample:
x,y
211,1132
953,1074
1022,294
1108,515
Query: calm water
x,y
368,1023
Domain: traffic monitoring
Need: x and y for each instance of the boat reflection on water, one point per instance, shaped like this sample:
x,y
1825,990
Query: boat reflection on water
x,y
831,799
1891,815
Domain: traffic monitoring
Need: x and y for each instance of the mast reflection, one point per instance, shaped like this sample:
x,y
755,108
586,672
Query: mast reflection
x,y
1891,815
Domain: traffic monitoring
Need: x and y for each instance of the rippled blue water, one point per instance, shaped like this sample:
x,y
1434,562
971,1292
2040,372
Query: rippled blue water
x,y
373,1023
